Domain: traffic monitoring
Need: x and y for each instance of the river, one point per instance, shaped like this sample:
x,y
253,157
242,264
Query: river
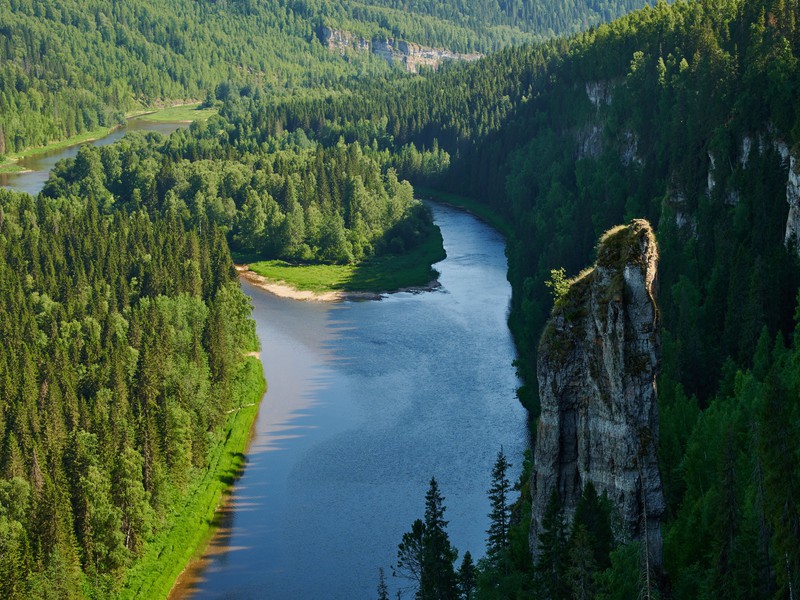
x,y
366,402
38,167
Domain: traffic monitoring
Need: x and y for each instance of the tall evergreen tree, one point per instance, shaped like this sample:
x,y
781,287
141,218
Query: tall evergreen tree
x,y
383,589
467,579
500,515
425,554
437,577
551,568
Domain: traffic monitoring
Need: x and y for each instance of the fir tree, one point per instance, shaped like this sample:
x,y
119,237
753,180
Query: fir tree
x,y
467,578
437,577
551,567
500,515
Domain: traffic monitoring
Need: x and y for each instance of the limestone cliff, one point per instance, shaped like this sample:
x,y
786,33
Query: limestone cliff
x,y
411,55
597,364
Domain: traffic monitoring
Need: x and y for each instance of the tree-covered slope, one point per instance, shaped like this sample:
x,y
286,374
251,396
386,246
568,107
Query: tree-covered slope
x,y
67,67
122,343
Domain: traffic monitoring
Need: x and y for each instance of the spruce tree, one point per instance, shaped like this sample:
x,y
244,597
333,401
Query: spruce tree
x,y
551,568
467,577
500,515
383,590
437,577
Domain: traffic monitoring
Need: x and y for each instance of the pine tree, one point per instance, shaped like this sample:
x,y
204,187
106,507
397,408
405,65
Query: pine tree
x,y
593,513
437,577
383,590
425,554
551,567
467,578
500,515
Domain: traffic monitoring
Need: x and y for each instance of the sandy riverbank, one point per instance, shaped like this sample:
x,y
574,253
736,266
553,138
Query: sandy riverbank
x,y
284,290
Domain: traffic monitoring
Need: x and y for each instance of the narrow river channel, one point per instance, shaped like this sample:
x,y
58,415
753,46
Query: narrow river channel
x,y
367,401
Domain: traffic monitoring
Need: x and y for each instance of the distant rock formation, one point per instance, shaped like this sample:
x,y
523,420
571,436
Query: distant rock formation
x,y
598,360
411,55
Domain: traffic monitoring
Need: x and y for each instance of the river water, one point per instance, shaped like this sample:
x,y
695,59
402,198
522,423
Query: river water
x,y
366,402
38,167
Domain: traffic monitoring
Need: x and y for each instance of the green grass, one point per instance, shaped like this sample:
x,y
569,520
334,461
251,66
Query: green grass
x,y
174,114
480,210
7,166
192,524
381,274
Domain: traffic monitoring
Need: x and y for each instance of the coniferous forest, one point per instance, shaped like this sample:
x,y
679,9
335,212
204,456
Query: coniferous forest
x,y
123,332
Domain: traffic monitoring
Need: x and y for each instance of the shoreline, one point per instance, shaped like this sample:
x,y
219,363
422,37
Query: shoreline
x,y
91,136
285,290
169,558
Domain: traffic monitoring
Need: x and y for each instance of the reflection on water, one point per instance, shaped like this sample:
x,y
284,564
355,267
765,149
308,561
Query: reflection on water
x,y
366,402
38,167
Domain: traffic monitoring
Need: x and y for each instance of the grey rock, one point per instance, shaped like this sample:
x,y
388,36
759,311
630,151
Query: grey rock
x,y
598,360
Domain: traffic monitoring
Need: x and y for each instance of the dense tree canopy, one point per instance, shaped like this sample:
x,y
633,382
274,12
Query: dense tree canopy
x,y
121,337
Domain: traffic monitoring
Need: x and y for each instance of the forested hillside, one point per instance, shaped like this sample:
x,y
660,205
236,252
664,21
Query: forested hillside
x,y
67,67
123,340
685,115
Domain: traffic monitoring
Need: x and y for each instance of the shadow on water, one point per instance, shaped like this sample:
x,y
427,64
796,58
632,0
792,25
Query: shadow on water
x,y
230,476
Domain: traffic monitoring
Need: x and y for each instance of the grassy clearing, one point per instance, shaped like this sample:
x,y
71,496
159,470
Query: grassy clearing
x,y
480,210
193,524
382,274
176,114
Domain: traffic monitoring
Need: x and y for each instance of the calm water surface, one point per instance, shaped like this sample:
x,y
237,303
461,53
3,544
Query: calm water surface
x,y
39,166
367,401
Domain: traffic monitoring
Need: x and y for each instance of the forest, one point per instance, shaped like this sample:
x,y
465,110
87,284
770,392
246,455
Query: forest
x,y
283,197
123,340
684,114
68,67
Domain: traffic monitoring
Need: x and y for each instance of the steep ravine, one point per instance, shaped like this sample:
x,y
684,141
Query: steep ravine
x,y
597,364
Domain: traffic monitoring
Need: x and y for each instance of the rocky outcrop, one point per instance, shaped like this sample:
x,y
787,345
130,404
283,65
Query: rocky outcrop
x,y
335,39
589,142
676,200
599,92
711,180
793,198
629,149
598,359
411,55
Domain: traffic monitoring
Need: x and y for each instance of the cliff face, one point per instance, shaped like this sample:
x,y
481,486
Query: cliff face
x,y
597,364
793,198
411,55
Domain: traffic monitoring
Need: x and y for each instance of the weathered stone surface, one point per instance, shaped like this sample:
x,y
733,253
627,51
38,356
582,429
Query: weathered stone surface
x,y
712,182
599,92
793,198
589,142
598,359
629,149
411,55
